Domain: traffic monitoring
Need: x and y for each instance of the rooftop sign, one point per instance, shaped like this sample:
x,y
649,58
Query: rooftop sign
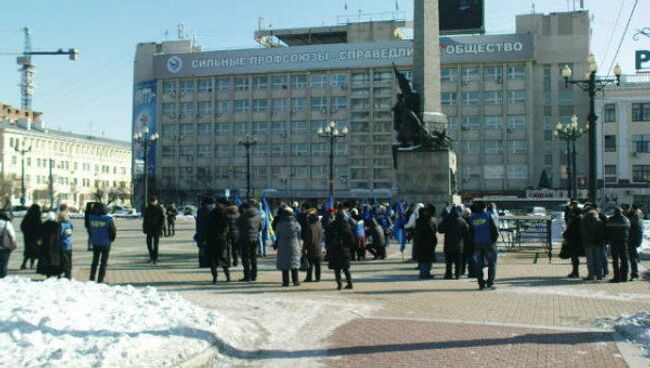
x,y
454,49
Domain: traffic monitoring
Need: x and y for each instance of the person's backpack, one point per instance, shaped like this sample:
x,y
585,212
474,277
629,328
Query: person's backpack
x,y
5,239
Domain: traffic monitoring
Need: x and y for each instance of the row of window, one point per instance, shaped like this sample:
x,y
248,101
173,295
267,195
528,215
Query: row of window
x,y
66,147
241,129
257,172
473,98
640,143
258,150
65,165
490,122
640,112
476,172
490,73
494,147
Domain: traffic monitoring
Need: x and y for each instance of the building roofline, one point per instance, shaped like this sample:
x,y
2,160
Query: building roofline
x,y
63,134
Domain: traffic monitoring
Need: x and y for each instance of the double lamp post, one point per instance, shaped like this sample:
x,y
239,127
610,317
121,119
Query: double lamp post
x,y
331,134
145,138
592,85
570,133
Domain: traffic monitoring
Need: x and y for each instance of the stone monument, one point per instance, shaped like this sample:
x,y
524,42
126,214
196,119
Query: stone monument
x,y
424,159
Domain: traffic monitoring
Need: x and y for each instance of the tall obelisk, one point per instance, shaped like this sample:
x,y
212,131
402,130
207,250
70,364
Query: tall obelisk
x,y
426,54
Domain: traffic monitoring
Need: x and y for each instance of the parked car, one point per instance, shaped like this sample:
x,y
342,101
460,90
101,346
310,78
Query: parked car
x,y
539,211
189,210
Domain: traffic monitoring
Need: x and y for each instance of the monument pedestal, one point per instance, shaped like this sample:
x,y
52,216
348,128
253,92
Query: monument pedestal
x,y
427,177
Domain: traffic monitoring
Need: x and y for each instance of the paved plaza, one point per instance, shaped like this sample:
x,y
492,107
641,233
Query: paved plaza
x,y
535,318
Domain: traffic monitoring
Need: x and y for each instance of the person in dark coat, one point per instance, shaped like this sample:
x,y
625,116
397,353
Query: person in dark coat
x,y
31,229
152,226
454,227
339,254
573,240
377,244
90,210
485,234
424,242
592,233
202,229
250,226
102,234
313,246
50,260
171,212
232,213
617,231
217,244
636,239
288,232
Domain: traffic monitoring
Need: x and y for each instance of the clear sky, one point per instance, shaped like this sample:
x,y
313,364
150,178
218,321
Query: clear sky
x,y
95,92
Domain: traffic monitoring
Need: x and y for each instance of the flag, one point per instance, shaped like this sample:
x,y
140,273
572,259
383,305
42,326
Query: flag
x,y
346,6
366,212
330,202
398,228
396,5
267,229
237,200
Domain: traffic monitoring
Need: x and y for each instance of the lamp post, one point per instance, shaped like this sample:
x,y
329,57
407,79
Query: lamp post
x,y
570,133
145,137
248,143
22,151
592,85
331,134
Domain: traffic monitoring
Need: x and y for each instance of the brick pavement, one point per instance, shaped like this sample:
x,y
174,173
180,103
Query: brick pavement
x,y
531,294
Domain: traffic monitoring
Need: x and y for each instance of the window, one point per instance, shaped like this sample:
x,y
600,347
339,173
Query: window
x,y
641,143
281,149
168,151
168,109
493,147
340,148
517,172
187,87
360,78
382,77
641,112
187,109
169,88
494,171
205,85
471,147
448,98
493,73
299,81
318,149
471,98
299,149
205,108
339,102
187,151
318,80
261,83
205,129
260,105
259,128
260,150
382,91
241,129
278,105
566,97
298,104
187,130
493,97
517,97
241,105
278,127
300,172
339,80
203,150
516,72
469,75
610,143
471,123
223,107
279,82
448,74
641,173
382,103
517,122
493,123
610,113
222,151
299,127
360,91
360,104
223,85
610,174
471,172
319,103
359,127
517,147
242,84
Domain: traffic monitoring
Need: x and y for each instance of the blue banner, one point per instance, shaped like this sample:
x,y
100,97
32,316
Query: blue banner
x,y
144,116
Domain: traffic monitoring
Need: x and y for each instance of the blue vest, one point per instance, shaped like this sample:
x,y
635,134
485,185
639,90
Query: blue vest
x,y
359,229
66,235
481,223
99,226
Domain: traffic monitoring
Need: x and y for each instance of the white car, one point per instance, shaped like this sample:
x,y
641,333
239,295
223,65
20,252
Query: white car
x,y
539,211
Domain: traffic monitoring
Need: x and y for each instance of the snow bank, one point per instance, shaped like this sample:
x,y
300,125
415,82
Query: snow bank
x,y
73,324
635,328
645,246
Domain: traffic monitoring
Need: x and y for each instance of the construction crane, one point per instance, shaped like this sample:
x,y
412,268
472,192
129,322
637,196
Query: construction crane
x,y
28,69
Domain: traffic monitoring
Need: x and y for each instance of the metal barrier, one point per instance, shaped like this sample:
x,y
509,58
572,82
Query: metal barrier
x,y
517,232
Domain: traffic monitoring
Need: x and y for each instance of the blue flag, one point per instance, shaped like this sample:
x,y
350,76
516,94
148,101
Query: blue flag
x,y
237,200
267,229
330,202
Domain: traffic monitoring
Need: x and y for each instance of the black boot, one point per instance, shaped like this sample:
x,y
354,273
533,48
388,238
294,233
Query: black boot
x,y
226,272
214,279
285,278
294,278
24,265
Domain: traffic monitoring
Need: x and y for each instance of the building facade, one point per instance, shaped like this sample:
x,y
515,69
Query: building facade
x,y
624,142
59,166
503,95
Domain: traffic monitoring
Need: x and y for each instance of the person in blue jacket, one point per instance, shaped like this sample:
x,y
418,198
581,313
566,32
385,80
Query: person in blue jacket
x,y
102,234
485,233
65,240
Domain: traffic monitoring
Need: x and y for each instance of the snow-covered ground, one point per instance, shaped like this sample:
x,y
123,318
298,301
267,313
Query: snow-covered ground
x,y
60,323
645,247
635,328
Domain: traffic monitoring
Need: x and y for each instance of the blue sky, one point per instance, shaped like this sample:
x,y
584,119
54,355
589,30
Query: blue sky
x,y
93,94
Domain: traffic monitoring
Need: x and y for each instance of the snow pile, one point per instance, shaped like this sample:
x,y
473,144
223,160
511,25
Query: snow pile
x,y
635,328
645,246
73,324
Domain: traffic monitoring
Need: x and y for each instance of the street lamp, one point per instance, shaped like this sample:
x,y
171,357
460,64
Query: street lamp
x,y
145,137
592,85
570,133
248,143
22,150
331,134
